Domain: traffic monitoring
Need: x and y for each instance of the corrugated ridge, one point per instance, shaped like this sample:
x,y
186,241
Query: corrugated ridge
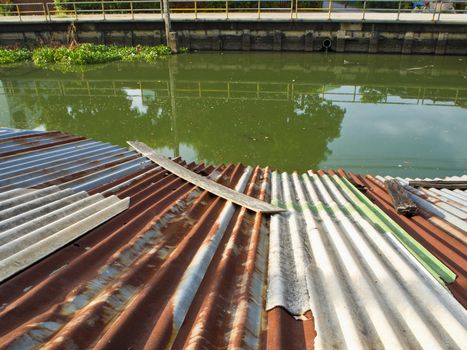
x,y
432,235
41,160
184,269
41,221
170,216
362,286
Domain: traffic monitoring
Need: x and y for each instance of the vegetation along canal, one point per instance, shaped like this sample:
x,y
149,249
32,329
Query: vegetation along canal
x,y
378,114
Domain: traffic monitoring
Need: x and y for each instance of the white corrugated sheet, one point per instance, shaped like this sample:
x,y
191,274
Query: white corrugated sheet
x,y
330,255
35,223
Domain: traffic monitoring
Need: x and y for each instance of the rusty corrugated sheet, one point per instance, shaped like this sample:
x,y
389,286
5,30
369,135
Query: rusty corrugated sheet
x,y
444,240
182,268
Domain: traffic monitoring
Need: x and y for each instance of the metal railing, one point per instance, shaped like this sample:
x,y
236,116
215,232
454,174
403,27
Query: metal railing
x,y
234,90
224,9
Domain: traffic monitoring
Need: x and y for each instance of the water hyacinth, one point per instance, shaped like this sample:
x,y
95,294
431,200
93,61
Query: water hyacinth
x,y
15,55
84,54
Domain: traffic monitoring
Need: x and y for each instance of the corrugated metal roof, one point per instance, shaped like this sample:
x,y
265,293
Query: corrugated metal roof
x,y
38,160
333,255
183,268
446,241
34,223
180,267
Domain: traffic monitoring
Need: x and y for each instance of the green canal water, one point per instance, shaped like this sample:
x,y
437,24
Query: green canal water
x,y
378,114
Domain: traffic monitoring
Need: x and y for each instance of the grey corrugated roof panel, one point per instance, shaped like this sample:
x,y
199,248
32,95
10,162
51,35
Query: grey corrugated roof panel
x,y
45,174
38,222
28,199
102,177
62,160
79,164
31,158
11,193
40,212
8,132
9,145
328,255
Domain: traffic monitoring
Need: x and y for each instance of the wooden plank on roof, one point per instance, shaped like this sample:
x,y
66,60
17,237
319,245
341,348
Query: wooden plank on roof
x,y
400,198
205,183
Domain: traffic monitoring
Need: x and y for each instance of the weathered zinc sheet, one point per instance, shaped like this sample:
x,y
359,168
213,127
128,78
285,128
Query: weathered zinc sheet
x,y
332,255
74,162
444,240
35,223
179,268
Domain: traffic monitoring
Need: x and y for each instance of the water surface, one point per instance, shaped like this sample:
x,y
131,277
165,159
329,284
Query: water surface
x,y
378,114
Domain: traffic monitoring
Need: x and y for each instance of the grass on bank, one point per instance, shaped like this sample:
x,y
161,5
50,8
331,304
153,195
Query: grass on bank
x,y
84,54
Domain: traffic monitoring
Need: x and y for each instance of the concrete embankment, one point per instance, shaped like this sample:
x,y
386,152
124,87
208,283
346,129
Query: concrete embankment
x,y
252,35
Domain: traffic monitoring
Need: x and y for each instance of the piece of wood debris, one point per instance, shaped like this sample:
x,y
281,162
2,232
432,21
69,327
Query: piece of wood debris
x,y
400,198
205,183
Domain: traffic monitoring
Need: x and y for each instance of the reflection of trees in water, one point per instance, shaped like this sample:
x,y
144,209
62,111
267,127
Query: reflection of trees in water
x,y
261,132
282,134
373,95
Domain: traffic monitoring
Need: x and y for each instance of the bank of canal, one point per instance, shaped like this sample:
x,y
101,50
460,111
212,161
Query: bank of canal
x,y
378,114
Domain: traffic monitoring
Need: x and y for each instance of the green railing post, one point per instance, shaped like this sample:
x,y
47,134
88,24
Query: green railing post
x,y
227,9
132,13
434,11
440,9
329,9
399,10
103,9
18,12
296,8
259,9
45,11
364,8
48,12
291,9
196,9
74,8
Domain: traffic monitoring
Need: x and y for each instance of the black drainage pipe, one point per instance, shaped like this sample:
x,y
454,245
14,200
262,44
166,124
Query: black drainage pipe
x,y
327,43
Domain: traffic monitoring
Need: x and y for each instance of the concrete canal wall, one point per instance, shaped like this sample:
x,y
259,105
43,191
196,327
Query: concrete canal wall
x,y
254,35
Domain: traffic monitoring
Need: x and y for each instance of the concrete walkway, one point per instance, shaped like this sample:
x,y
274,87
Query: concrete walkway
x,y
407,17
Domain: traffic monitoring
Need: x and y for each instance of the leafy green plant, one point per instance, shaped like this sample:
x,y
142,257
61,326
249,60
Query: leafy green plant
x,y
13,56
84,54
90,53
6,8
